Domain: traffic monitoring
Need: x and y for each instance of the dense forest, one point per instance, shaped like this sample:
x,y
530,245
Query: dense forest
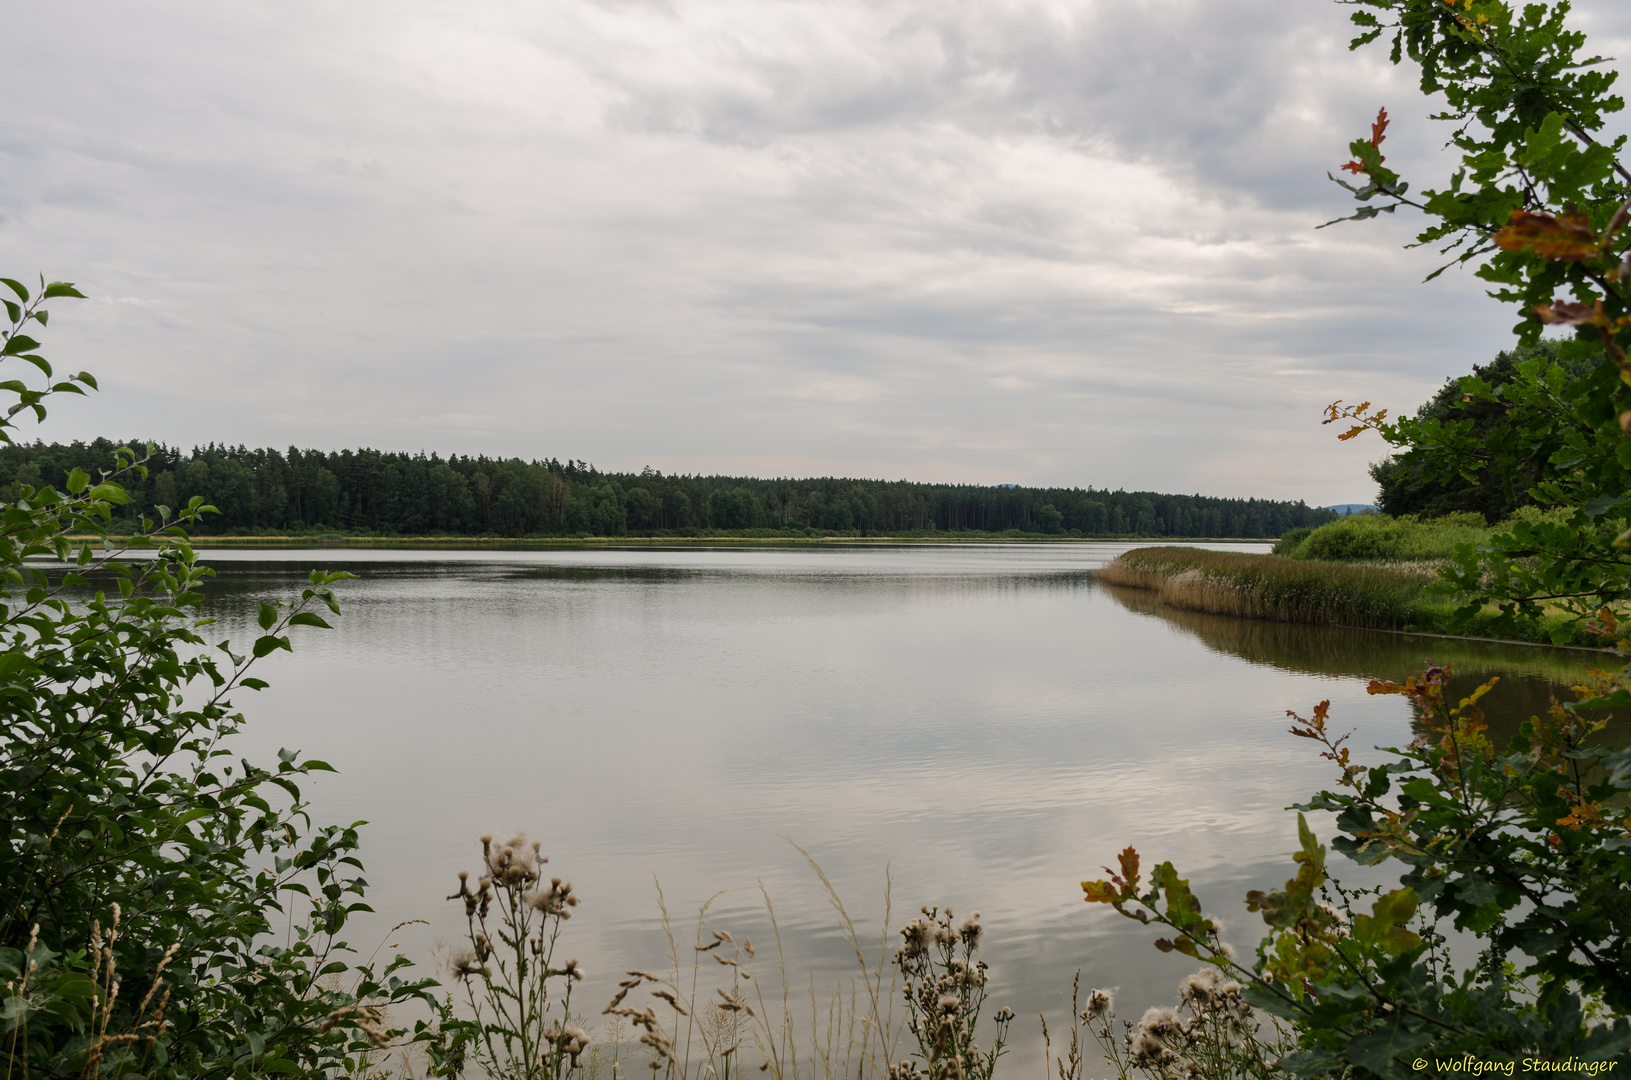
x,y
371,492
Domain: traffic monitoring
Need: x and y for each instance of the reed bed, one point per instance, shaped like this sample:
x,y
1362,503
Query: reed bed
x,y
1271,587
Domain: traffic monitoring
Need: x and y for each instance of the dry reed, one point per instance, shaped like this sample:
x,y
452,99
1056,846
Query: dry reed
x,y
1270,587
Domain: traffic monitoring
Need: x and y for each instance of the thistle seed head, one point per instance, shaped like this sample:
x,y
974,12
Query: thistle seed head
x,y
919,935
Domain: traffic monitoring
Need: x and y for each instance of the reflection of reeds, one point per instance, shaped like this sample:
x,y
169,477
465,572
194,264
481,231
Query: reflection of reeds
x,y
1268,587
1531,678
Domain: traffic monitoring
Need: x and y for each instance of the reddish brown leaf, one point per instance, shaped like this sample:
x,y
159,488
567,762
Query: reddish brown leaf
x,y
1569,238
1129,867
1571,313
1377,134
1378,129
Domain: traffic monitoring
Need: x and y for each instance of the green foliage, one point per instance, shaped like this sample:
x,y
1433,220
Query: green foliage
x,y
1524,846
373,493
19,346
139,852
1539,205
1290,539
1501,451
1383,538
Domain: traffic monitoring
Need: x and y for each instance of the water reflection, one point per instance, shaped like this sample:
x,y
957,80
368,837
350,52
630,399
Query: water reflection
x,y
984,725
1532,677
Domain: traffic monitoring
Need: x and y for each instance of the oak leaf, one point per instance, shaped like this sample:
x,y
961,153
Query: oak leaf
x,y
1377,133
1569,238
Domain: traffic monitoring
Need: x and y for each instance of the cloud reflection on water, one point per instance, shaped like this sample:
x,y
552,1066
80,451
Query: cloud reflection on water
x,y
987,724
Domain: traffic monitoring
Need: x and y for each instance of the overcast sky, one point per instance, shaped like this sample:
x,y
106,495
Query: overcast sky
x,y
1037,241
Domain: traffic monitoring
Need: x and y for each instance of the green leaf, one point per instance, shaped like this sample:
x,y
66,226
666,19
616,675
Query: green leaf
x,y
18,343
108,491
1602,504
78,479
266,643
61,288
307,618
16,287
1385,1052
268,616
1383,928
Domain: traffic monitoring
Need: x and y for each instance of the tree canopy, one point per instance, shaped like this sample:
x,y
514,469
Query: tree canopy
x,y
371,491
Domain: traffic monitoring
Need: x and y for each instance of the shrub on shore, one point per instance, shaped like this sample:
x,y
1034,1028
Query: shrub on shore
x,y
1381,538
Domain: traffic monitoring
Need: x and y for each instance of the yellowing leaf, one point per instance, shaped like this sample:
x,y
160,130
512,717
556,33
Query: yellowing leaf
x,y
1100,892
1569,238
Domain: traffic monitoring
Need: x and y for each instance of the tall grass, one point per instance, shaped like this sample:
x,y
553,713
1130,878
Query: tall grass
x,y
1270,587
709,1015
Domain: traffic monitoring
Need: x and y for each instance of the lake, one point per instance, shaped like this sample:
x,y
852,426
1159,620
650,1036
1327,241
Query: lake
x,y
981,723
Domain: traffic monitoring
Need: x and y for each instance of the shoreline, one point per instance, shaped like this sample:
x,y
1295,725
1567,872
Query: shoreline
x,y
433,543
1347,596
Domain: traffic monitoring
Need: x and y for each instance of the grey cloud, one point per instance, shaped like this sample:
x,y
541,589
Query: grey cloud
x,y
979,241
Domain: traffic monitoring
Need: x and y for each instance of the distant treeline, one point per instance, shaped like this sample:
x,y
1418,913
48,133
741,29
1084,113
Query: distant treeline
x,y
371,492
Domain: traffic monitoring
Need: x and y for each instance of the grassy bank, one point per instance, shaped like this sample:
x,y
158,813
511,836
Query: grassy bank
x,y
1359,595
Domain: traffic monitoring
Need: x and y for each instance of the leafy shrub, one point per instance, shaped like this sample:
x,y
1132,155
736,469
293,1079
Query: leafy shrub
x,y
1289,540
1380,538
143,864
1538,204
1524,847
1371,537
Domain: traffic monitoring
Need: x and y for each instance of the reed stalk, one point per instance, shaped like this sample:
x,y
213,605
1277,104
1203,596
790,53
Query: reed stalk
x,y
1270,587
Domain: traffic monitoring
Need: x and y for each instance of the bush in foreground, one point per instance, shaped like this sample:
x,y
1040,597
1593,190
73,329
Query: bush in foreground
x,y
144,868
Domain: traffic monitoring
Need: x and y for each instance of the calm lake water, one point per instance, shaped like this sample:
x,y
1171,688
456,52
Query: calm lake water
x,y
983,724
